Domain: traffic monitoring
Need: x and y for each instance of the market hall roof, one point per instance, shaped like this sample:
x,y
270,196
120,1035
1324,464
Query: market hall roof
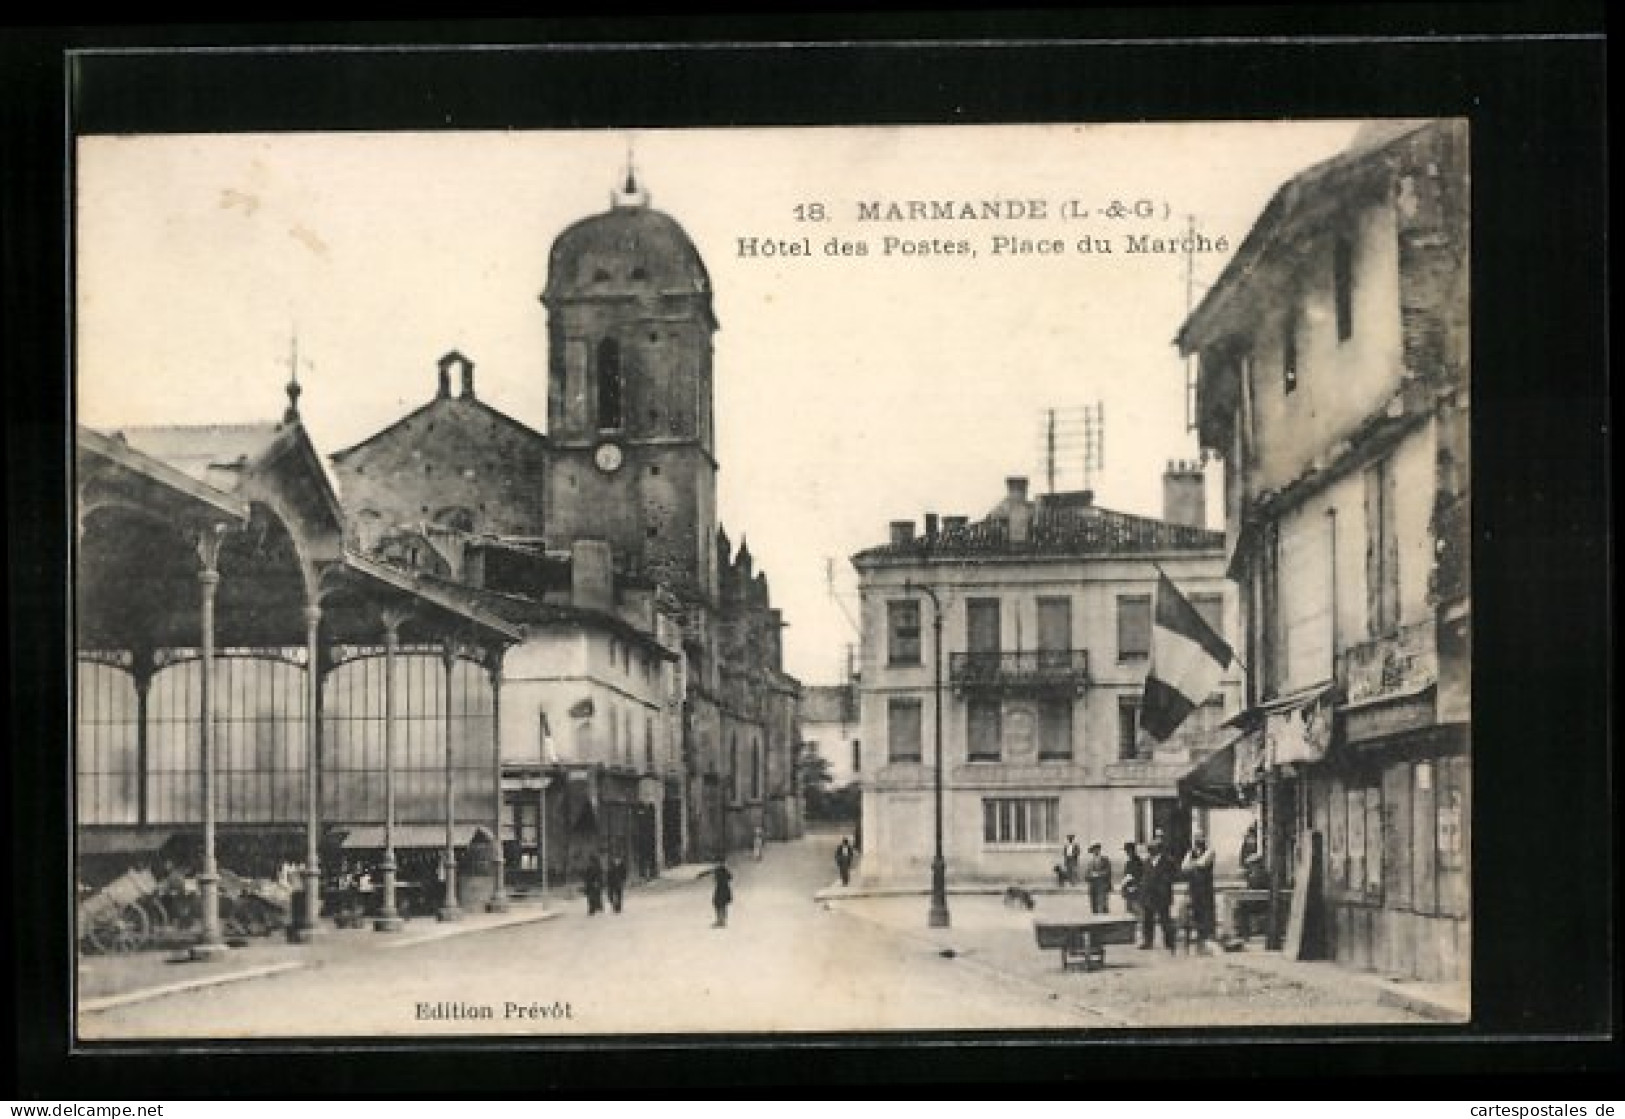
x,y
1065,525
145,493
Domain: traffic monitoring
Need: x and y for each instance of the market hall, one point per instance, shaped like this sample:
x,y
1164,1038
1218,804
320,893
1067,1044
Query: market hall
x,y
253,696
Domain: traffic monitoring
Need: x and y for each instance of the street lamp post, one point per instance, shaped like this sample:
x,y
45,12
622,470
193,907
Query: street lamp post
x,y
937,917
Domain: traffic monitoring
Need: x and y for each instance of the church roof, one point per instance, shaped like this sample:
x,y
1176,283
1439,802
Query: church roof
x,y
441,404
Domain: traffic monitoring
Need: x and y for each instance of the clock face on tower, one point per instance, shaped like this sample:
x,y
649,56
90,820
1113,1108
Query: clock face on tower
x,y
608,457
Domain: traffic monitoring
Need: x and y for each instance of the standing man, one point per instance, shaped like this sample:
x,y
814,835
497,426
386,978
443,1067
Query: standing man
x,y
1157,896
1098,876
1069,861
722,894
1198,875
756,842
1133,878
592,885
616,880
843,860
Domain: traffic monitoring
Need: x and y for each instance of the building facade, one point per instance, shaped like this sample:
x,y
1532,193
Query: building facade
x,y
1334,384
832,728
1045,611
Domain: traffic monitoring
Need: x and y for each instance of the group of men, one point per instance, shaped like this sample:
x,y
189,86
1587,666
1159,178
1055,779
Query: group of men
x,y
1148,884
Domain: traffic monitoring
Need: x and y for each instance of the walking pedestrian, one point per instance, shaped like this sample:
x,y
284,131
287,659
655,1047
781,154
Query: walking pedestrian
x,y
1198,874
616,881
1133,878
1157,896
844,854
1069,860
722,894
592,885
1098,876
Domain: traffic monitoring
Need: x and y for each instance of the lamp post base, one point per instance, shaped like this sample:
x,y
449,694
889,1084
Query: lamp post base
x,y
938,916
450,913
388,924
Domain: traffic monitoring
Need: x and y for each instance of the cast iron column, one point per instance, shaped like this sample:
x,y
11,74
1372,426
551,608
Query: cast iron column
x,y
304,926
448,903
499,889
389,918
208,549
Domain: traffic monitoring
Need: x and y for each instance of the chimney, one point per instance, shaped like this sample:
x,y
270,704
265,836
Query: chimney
x,y
902,532
592,575
950,524
1018,510
1184,494
930,526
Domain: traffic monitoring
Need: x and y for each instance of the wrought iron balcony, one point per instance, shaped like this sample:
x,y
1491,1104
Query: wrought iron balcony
x,y
1047,670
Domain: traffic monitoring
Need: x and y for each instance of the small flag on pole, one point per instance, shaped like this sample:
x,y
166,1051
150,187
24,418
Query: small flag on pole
x,y
548,756
1187,661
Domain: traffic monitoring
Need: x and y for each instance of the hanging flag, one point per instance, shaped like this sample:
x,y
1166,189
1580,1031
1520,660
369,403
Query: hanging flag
x,y
1187,661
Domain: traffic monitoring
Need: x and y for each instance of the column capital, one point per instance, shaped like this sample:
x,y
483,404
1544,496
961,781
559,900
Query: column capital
x,y
208,541
393,618
313,615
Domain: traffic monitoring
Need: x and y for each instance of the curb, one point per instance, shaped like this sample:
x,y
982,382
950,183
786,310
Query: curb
x,y
1420,1004
110,1002
458,928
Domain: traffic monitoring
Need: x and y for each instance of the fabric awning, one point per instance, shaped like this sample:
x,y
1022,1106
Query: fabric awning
x,y
1219,779
116,840
370,837
1298,727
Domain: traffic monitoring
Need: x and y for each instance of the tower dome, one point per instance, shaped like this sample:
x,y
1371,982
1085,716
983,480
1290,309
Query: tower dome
x,y
628,250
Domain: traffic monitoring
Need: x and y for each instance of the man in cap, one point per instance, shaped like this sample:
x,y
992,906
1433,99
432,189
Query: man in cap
x,y
1097,874
1070,855
1198,875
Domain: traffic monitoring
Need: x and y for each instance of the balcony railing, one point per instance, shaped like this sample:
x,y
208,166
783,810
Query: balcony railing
x,y
1405,661
1035,670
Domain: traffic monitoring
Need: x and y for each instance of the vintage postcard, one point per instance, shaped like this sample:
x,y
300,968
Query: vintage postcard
x,y
784,581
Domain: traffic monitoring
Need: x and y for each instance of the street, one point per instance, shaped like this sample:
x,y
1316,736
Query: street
x,y
784,963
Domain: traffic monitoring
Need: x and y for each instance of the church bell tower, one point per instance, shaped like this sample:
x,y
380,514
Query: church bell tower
x,y
629,410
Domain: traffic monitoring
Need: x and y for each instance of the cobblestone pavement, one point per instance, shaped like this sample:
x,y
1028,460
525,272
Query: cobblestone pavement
x,y
784,963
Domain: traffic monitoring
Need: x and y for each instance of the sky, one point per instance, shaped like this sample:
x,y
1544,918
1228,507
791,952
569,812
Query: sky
x,y
851,390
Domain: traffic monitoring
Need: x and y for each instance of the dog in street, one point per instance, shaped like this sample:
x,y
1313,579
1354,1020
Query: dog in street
x,y
1017,896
